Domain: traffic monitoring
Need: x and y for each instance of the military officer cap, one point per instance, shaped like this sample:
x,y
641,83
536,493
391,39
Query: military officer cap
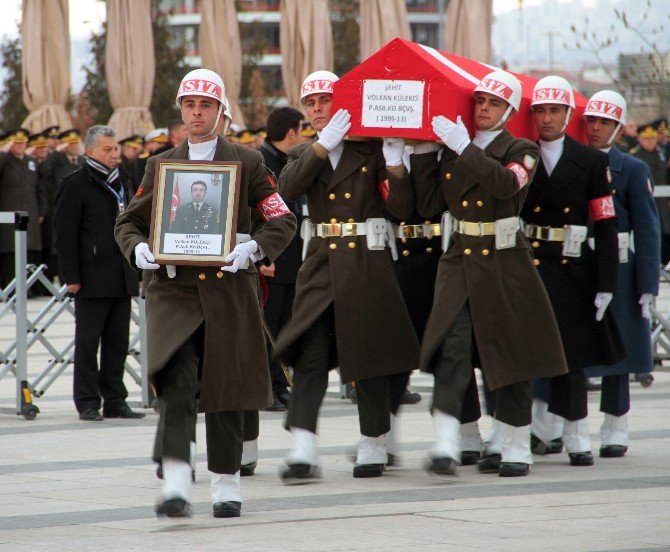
x,y
52,131
38,140
648,132
72,136
159,135
134,141
18,135
262,131
245,137
307,130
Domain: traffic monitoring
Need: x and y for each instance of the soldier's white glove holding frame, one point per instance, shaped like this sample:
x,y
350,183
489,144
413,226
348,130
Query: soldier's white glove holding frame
x,y
645,303
144,259
602,301
335,131
454,135
393,150
240,256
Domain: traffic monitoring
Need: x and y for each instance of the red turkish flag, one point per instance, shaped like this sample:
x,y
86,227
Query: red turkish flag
x,y
175,202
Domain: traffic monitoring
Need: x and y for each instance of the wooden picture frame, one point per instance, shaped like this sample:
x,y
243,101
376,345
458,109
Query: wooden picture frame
x,y
194,214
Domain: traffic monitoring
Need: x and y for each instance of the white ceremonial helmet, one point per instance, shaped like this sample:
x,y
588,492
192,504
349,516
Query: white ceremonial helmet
x,y
207,83
504,85
554,90
319,82
608,104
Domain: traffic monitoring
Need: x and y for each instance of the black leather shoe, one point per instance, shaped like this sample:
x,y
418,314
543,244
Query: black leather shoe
x,y
470,457
612,451
442,466
174,508
391,460
227,509
581,458
537,446
276,406
159,473
513,469
247,470
490,463
368,470
90,415
122,411
299,474
410,398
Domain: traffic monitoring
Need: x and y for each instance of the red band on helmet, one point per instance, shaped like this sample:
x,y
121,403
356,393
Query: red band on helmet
x,y
200,86
551,95
272,206
520,172
606,108
601,208
383,188
496,87
319,85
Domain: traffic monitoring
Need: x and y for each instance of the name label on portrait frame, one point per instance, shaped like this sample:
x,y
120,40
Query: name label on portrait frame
x,y
192,244
392,103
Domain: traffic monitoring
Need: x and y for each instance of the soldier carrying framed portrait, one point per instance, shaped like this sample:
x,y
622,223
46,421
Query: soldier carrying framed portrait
x,y
194,214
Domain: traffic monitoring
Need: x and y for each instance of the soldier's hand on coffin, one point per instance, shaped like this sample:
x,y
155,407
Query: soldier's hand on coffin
x,y
454,135
602,301
645,303
240,256
426,147
144,259
336,129
393,150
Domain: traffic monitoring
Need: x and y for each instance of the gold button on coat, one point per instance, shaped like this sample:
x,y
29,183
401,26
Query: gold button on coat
x,y
333,246
331,196
347,196
429,249
364,169
464,203
537,209
333,221
535,244
201,276
467,251
564,261
536,262
351,245
480,203
403,240
350,220
485,251
566,210
405,252
219,274
447,176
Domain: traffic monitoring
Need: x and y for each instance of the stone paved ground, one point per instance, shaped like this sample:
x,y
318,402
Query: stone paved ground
x,y
67,485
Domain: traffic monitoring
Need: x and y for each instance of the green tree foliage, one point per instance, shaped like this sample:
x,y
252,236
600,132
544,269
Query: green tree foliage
x,y
346,34
12,110
94,91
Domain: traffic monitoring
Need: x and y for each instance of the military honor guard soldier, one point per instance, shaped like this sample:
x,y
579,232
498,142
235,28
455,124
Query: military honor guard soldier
x,y
486,285
204,327
639,267
346,291
571,191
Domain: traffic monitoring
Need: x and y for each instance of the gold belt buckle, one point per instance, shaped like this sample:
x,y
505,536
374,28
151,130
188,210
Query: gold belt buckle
x,y
412,231
431,230
488,228
349,229
330,230
470,228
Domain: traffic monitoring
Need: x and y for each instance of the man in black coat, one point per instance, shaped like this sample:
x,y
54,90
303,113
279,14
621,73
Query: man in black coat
x,y
283,132
570,192
98,276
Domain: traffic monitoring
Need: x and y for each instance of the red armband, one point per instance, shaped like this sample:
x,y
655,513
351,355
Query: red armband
x,y
520,172
601,208
383,188
272,206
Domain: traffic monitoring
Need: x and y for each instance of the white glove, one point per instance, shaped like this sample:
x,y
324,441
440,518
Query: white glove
x,y
144,259
602,301
393,149
645,303
240,256
454,135
333,133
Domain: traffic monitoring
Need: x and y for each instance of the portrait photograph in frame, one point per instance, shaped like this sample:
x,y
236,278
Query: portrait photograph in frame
x,y
194,215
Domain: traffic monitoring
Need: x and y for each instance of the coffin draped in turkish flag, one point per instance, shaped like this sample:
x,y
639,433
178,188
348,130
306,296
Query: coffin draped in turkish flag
x,y
398,90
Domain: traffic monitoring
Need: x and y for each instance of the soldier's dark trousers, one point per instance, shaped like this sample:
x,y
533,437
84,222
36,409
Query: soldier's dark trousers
x,y
565,394
615,395
104,324
277,312
310,381
453,377
177,385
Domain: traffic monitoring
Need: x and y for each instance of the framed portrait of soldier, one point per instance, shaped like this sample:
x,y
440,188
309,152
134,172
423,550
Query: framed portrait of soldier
x,y
194,216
